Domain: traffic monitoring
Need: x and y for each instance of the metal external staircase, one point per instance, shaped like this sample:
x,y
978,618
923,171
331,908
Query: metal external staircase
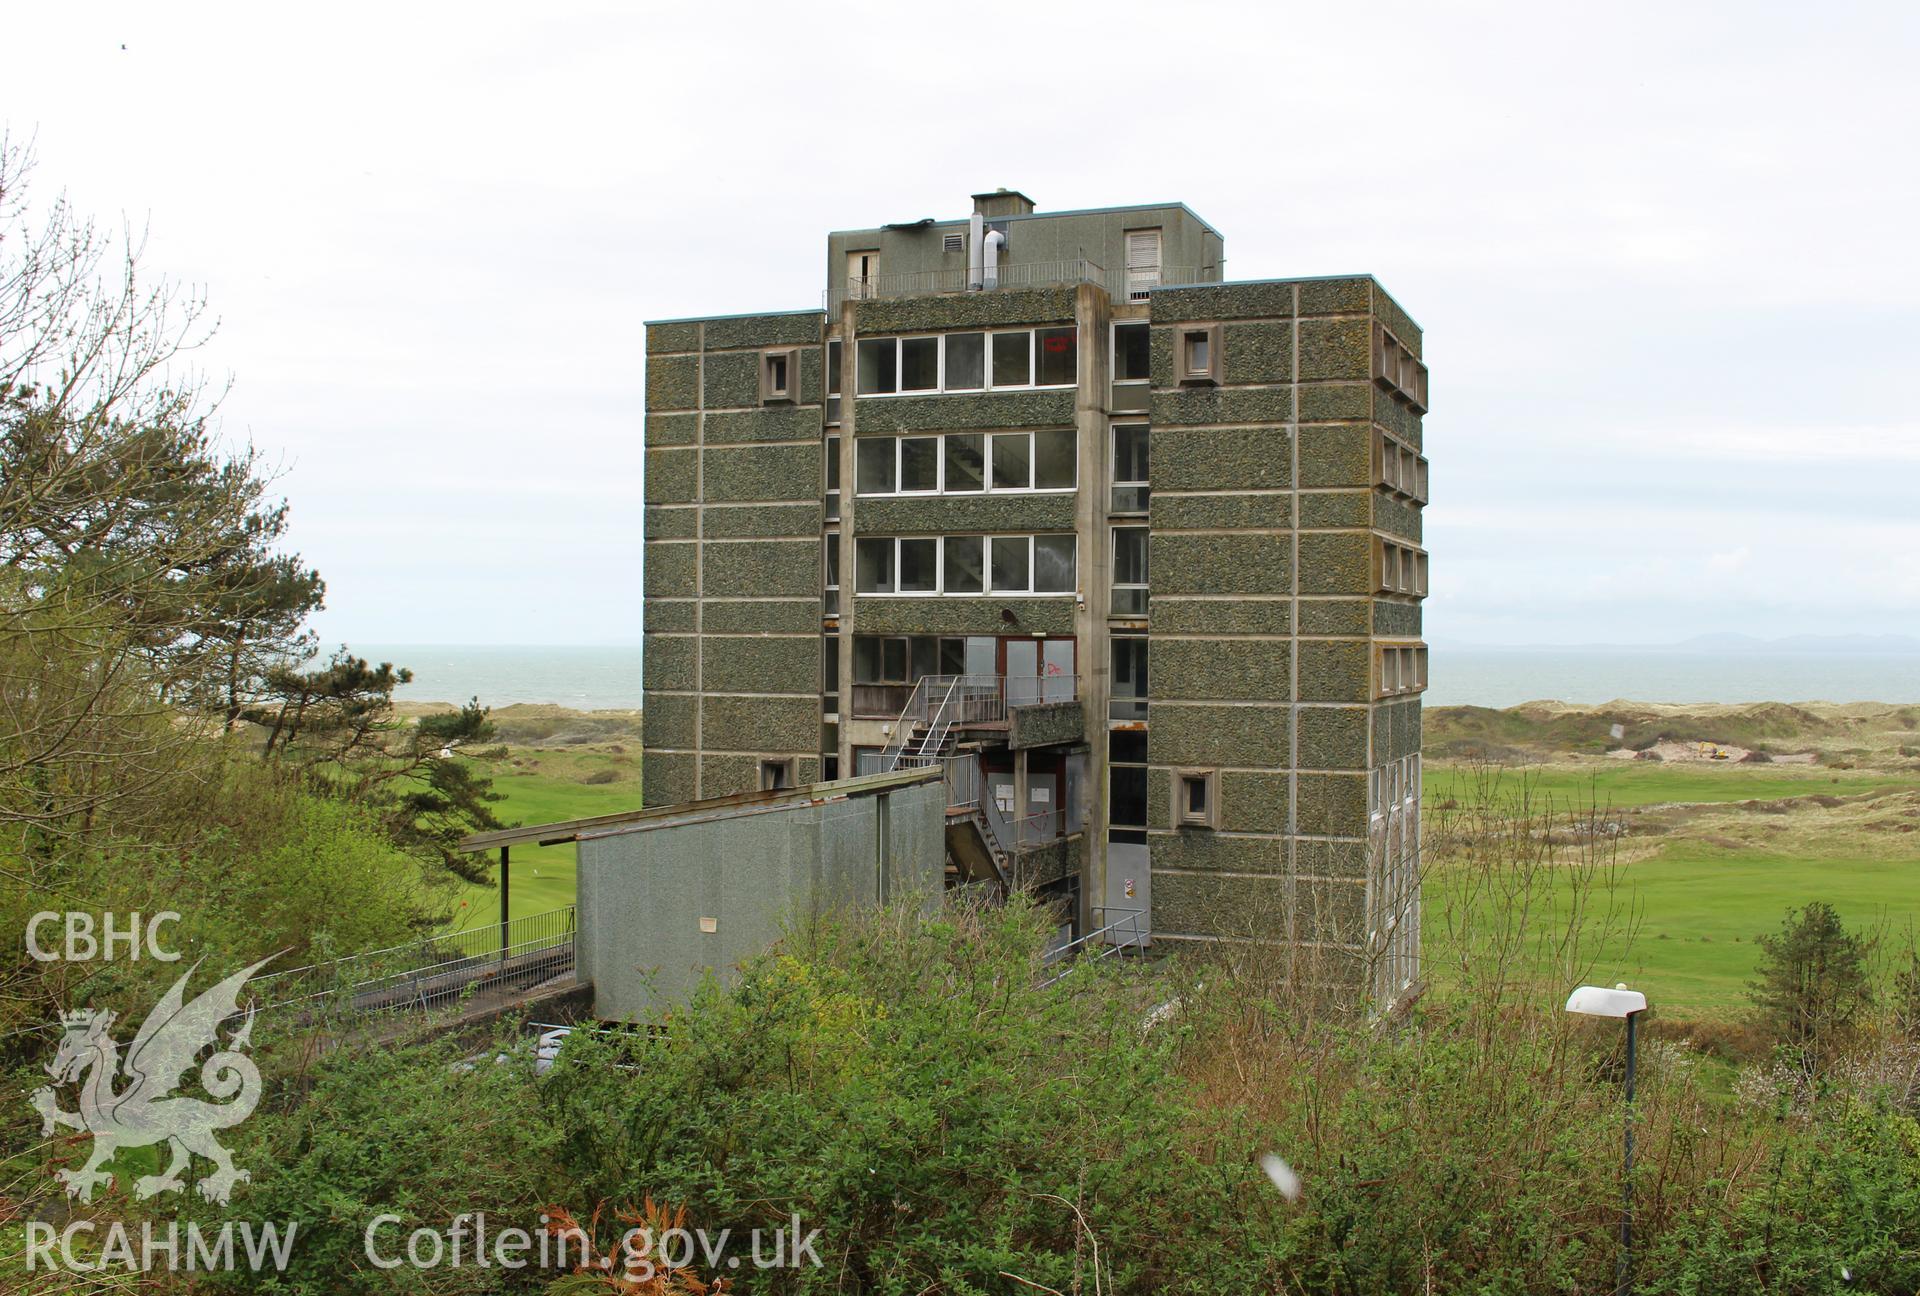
x,y
979,839
937,706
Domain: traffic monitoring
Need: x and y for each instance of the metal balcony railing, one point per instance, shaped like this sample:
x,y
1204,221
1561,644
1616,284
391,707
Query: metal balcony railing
x,y
1134,285
980,699
923,283
1123,285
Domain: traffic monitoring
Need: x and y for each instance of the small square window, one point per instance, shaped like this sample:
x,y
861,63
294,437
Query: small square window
x,y
1196,798
1199,355
776,775
779,375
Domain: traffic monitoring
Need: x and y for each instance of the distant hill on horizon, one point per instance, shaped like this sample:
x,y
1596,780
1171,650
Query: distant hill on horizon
x,y
1729,644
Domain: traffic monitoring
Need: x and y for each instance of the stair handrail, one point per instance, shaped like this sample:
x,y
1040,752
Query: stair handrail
x,y
903,727
941,722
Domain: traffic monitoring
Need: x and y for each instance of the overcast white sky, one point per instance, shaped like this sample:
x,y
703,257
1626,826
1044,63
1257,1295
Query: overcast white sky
x,y
1665,257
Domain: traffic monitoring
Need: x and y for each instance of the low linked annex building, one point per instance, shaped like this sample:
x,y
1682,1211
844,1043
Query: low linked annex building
x,y
1132,553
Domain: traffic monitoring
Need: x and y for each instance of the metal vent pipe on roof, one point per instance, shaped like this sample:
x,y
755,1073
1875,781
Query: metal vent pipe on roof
x,y
990,271
976,224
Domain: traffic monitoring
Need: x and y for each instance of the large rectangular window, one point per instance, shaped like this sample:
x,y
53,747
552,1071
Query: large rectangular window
x,y
919,464
920,565
1132,352
1129,697
966,361
875,466
1013,359
1056,357
1130,546
1012,564
879,659
1053,566
833,478
1130,494
878,364
873,566
963,567
1012,460
1127,786
966,461
833,383
920,364
1054,454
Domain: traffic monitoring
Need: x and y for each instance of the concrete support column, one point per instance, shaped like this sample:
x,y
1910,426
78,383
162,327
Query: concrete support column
x,y
849,376
1092,318
1019,809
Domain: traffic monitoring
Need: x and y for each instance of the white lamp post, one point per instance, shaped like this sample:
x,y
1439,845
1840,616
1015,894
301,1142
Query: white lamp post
x,y
1598,1001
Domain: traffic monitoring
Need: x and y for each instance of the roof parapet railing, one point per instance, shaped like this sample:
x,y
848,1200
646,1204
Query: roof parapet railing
x,y
955,279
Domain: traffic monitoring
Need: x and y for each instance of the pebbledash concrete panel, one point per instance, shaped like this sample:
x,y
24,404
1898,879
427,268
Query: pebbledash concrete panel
x,y
1259,591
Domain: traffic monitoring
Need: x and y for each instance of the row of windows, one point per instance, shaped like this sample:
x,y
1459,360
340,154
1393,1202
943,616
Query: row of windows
x,y
965,463
1395,369
1399,469
965,564
955,362
1399,569
1014,359
1400,669
958,361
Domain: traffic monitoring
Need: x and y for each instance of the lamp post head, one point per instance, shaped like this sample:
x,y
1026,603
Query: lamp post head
x,y
1598,1001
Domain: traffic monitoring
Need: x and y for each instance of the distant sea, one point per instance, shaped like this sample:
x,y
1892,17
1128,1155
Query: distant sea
x,y
601,678
579,677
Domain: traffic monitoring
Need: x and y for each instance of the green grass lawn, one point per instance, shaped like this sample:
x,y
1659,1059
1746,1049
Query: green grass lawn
x,y
1701,904
545,792
1699,908
1638,783
1701,899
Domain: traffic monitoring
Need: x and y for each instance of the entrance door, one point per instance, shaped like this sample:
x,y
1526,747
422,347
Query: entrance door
x,y
1056,670
862,267
981,655
1143,263
1023,671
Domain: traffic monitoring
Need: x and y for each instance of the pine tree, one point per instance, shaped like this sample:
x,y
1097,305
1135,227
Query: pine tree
x,y
1814,984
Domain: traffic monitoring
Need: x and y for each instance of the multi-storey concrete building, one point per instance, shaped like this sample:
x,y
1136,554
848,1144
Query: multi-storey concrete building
x,y
1134,552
